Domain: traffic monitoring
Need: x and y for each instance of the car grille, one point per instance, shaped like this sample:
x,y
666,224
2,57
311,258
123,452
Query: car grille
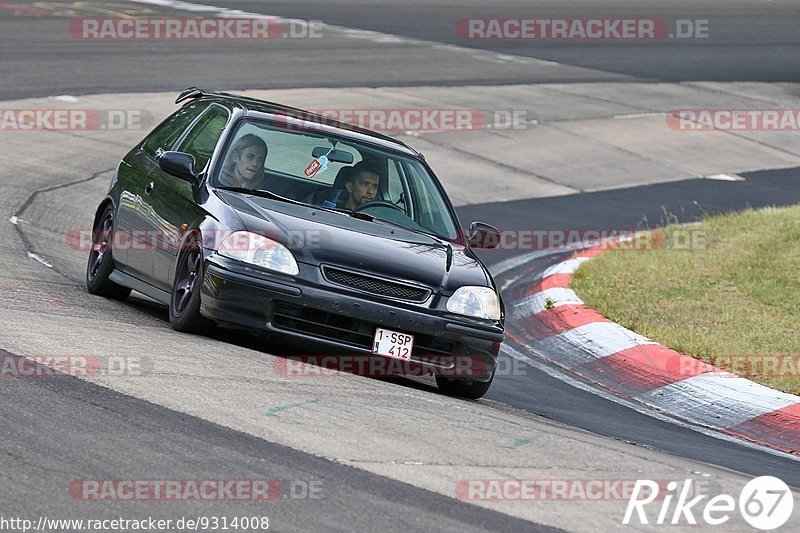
x,y
380,287
358,333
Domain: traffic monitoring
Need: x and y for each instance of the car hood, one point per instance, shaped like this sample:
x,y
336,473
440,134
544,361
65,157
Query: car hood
x,y
321,237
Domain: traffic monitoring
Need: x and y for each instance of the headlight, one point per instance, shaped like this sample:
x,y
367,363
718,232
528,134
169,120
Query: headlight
x,y
481,302
260,251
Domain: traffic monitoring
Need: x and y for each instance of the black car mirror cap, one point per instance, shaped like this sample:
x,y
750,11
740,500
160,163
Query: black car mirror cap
x,y
180,165
482,235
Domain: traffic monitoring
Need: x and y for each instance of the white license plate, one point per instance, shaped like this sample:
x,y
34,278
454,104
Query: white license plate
x,y
393,344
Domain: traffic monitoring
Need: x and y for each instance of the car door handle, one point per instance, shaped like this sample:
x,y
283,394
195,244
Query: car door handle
x,y
149,188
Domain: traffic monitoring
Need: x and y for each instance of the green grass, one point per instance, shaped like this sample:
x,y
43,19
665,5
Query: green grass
x,y
726,291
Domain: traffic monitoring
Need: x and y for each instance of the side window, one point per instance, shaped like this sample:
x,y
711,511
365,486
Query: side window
x,y
203,137
398,190
170,130
432,212
395,188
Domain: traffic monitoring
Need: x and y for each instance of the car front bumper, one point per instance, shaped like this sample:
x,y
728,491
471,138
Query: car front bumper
x,y
323,317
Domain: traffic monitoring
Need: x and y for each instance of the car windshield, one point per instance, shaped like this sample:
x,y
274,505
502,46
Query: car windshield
x,y
324,170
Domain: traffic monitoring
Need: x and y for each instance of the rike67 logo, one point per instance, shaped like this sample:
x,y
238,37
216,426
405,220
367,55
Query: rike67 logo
x,y
765,503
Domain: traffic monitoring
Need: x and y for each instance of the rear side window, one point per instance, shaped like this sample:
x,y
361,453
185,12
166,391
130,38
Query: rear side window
x,y
165,135
203,137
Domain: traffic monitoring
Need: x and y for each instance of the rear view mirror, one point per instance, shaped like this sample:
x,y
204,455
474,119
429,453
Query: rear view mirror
x,y
334,156
178,164
482,235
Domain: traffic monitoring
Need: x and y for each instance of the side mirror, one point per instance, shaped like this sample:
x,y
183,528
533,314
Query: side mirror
x,y
482,235
178,164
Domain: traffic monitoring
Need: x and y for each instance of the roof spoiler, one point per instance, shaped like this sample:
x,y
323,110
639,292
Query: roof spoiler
x,y
190,94
193,92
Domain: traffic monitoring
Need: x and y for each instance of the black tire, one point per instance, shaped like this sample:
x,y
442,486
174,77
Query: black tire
x,y
463,388
101,260
184,304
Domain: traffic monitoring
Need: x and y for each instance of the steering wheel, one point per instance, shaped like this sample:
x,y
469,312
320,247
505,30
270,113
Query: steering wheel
x,y
380,203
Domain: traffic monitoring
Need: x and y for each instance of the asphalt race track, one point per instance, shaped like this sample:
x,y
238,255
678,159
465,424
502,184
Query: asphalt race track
x,y
383,455
752,41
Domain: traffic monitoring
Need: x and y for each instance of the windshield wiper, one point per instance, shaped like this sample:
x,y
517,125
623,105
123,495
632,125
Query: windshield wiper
x,y
275,196
414,230
262,192
350,212
366,216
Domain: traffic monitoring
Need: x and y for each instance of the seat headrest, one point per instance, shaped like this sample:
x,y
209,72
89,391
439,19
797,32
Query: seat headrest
x,y
344,175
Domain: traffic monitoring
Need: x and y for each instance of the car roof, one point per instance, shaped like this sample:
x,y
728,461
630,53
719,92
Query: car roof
x,y
314,121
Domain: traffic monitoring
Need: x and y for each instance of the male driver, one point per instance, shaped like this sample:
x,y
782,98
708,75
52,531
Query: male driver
x,y
363,186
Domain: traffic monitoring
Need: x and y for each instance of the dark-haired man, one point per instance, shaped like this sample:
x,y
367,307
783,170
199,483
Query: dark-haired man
x,y
363,186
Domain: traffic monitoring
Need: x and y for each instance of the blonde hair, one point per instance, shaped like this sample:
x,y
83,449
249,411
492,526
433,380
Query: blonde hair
x,y
243,143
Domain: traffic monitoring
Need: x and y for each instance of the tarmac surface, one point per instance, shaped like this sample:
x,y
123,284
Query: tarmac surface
x,y
594,152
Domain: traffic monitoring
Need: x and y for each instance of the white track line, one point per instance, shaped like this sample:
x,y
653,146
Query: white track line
x,y
37,258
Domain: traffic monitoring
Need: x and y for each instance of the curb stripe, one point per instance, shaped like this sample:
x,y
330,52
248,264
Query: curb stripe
x,y
566,267
603,338
591,252
718,400
779,429
536,303
583,341
643,368
588,343
559,320
555,281
666,361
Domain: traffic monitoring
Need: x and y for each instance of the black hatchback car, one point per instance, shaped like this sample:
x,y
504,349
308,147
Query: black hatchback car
x,y
269,218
